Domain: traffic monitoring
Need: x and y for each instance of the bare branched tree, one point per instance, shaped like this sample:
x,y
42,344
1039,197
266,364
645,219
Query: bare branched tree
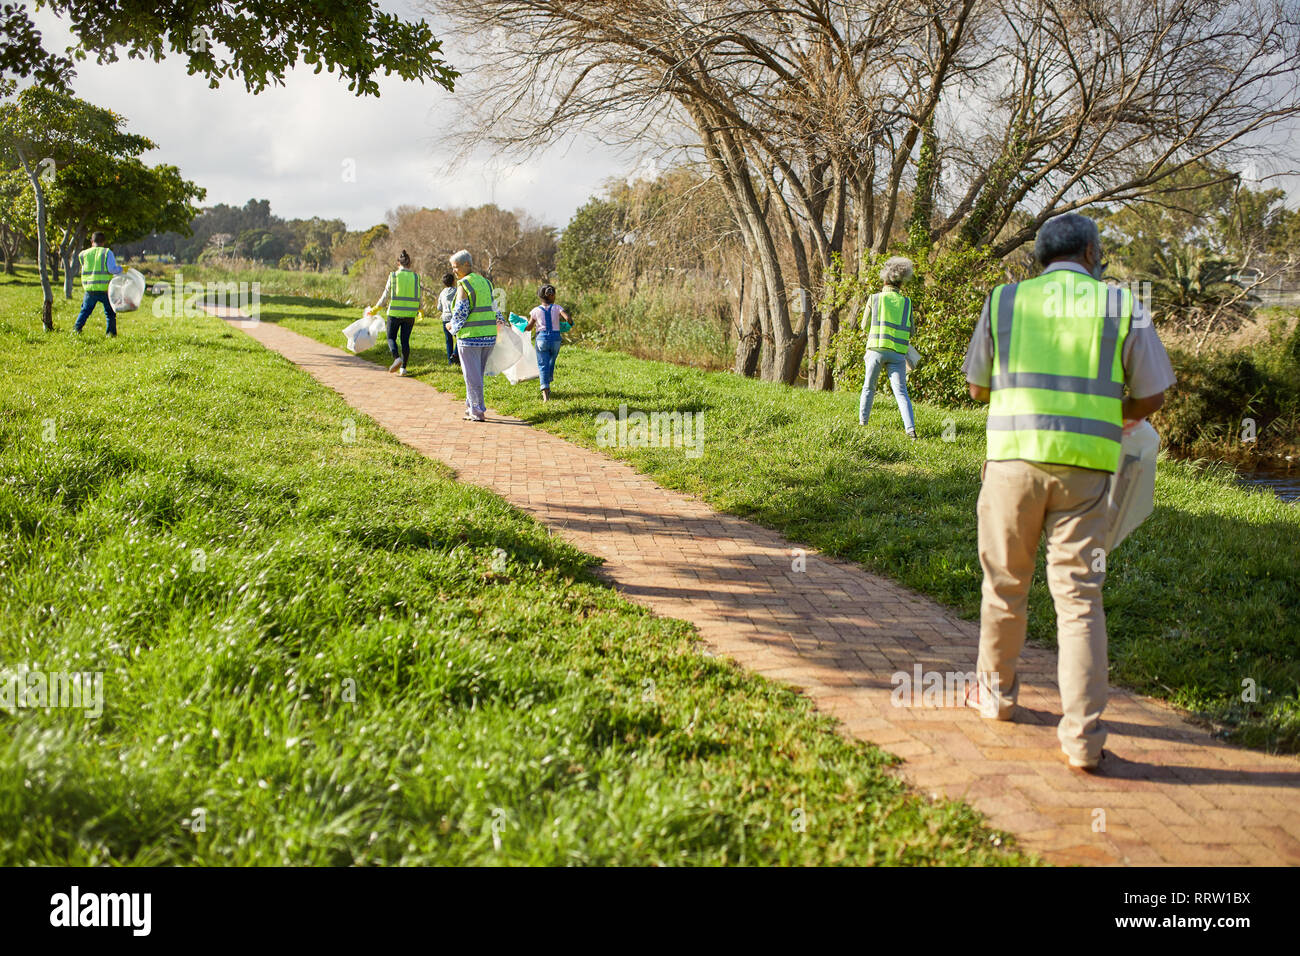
x,y
835,127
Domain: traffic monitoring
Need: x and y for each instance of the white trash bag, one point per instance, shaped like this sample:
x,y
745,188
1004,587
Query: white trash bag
x,y
364,333
1133,490
526,367
126,291
505,353
914,359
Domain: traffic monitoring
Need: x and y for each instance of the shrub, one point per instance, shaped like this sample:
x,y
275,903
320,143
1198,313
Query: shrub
x,y
1204,415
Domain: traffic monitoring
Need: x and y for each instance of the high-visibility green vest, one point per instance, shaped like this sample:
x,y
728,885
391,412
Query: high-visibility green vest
x,y
1058,378
94,269
482,322
403,294
891,326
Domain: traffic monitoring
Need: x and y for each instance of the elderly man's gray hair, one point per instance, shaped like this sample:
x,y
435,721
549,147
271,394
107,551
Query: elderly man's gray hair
x,y
896,270
1066,237
462,259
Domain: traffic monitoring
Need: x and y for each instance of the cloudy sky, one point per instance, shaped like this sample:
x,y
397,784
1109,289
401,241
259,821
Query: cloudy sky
x,y
294,144
312,148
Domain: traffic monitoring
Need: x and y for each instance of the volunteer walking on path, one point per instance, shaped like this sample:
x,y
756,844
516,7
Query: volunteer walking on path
x,y
98,266
447,305
546,319
474,323
402,293
889,321
1053,356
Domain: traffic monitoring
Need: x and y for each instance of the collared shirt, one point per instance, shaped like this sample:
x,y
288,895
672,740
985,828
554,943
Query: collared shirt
x,y
1146,365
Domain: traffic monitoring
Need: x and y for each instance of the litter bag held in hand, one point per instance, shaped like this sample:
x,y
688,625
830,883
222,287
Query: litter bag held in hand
x,y
506,352
1133,489
126,291
363,334
526,367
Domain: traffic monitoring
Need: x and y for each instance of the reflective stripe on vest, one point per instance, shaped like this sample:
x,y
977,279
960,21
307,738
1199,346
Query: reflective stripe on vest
x,y
891,326
94,269
404,294
482,321
1058,377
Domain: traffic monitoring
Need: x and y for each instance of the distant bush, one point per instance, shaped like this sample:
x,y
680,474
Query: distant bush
x,y
1205,414
947,295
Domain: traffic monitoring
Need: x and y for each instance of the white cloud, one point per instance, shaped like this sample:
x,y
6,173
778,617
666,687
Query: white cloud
x,y
288,144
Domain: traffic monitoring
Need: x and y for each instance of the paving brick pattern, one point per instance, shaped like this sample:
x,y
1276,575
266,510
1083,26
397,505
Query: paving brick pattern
x,y
1174,794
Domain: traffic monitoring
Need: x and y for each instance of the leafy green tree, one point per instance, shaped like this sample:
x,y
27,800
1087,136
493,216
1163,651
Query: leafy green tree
x,y
588,245
120,196
315,255
254,40
261,244
44,130
372,235
15,225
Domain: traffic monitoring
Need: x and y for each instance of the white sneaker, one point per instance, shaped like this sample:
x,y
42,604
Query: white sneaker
x,y
397,363
402,370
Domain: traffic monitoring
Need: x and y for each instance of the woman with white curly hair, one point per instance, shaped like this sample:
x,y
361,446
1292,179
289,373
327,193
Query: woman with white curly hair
x,y
889,323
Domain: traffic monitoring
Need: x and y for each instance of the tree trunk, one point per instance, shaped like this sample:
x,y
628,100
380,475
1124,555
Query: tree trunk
x,y
42,249
749,337
68,253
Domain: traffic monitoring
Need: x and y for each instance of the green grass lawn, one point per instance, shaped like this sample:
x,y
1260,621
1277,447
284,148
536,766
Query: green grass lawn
x,y
1203,597
337,654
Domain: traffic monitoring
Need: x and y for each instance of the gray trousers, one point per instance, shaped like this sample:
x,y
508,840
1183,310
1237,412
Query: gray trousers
x,y
473,358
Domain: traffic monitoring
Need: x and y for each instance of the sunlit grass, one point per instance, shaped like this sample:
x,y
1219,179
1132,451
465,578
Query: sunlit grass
x,y
1203,601
318,648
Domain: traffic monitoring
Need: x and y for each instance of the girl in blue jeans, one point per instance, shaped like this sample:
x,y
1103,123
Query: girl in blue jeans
x,y
546,319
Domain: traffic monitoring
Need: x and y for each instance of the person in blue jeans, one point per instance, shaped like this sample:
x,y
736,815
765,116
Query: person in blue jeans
x,y
546,319
447,306
98,266
889,322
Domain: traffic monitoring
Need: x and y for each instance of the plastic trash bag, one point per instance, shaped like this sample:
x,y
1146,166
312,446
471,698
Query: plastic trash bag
x,y
526,367
126,291
364,332
1133,489
913,359
506,352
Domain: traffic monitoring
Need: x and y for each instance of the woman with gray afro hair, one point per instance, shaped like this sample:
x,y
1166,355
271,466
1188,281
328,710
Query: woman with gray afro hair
x,y
896,271
889,324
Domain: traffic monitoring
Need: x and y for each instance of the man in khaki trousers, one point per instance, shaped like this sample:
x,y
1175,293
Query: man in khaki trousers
x,y
1066,363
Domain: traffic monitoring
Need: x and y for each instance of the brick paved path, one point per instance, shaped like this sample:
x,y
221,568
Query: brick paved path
x,y
838,632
